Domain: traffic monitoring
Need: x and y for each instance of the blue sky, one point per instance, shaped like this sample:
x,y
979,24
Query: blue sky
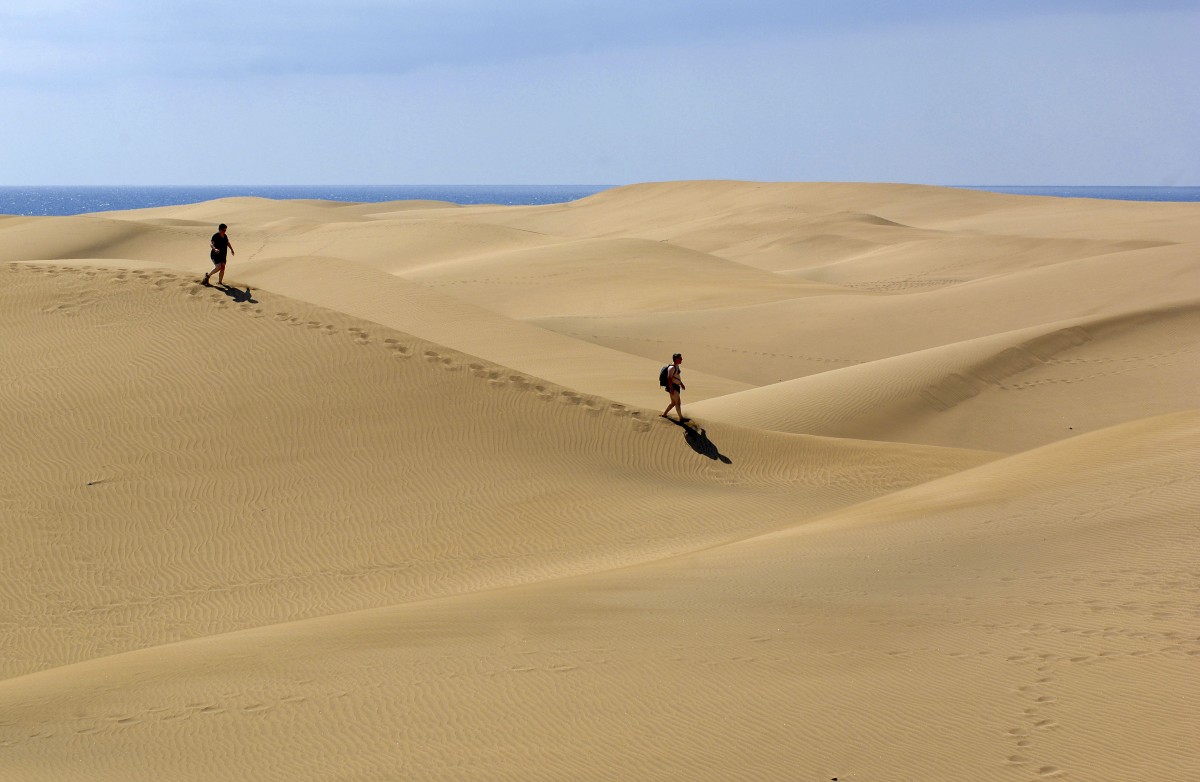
x,y
578,91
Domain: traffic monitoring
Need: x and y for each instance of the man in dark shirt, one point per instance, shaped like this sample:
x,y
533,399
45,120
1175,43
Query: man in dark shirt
x,y
220,246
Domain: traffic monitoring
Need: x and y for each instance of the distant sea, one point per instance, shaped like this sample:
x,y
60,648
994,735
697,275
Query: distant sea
x,y
1111,193
48,200
53,200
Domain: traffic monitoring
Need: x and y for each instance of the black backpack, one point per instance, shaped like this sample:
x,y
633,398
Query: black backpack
x,y
662,376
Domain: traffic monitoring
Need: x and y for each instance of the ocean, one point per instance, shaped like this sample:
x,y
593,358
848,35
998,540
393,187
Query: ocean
x,y
1111,193
54,200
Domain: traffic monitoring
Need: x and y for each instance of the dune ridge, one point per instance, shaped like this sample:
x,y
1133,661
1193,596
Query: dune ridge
x,y
897,397
397,502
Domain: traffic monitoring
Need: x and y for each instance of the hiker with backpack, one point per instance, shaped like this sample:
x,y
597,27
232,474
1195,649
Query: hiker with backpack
x,y
220,248
670,379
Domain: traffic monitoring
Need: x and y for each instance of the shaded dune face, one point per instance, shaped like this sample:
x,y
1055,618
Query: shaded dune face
x,y
398,502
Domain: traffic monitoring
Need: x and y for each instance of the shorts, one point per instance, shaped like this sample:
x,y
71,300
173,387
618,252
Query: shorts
x,y
216,259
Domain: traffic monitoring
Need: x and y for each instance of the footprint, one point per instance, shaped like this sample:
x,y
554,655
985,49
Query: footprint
x,y
400,351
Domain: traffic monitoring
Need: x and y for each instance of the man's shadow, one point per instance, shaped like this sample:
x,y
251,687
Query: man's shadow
x,y
697,438
238,295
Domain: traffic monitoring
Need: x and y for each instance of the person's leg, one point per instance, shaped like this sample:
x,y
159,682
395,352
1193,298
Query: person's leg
x,y
678,406
220,274
675,403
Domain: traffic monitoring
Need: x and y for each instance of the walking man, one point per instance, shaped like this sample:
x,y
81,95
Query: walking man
x,y
674,386
220,246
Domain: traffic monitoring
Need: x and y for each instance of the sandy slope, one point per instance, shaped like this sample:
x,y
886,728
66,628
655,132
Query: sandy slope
x,y
399,504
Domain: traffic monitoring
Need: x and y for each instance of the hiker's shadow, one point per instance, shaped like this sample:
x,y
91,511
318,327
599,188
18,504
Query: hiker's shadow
x,y
697,438
238,295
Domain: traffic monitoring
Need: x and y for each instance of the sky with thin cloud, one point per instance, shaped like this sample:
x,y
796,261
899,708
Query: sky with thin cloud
x,y
1025,92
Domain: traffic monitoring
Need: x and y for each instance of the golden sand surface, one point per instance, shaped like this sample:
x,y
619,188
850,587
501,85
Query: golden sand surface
x,y
397,502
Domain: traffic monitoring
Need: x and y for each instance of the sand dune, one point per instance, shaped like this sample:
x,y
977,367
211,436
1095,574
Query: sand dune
x,y
783,340
1005,392
397,503
607,277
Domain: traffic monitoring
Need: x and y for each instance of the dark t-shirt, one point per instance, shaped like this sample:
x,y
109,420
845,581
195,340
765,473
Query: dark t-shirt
x,y
222,245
